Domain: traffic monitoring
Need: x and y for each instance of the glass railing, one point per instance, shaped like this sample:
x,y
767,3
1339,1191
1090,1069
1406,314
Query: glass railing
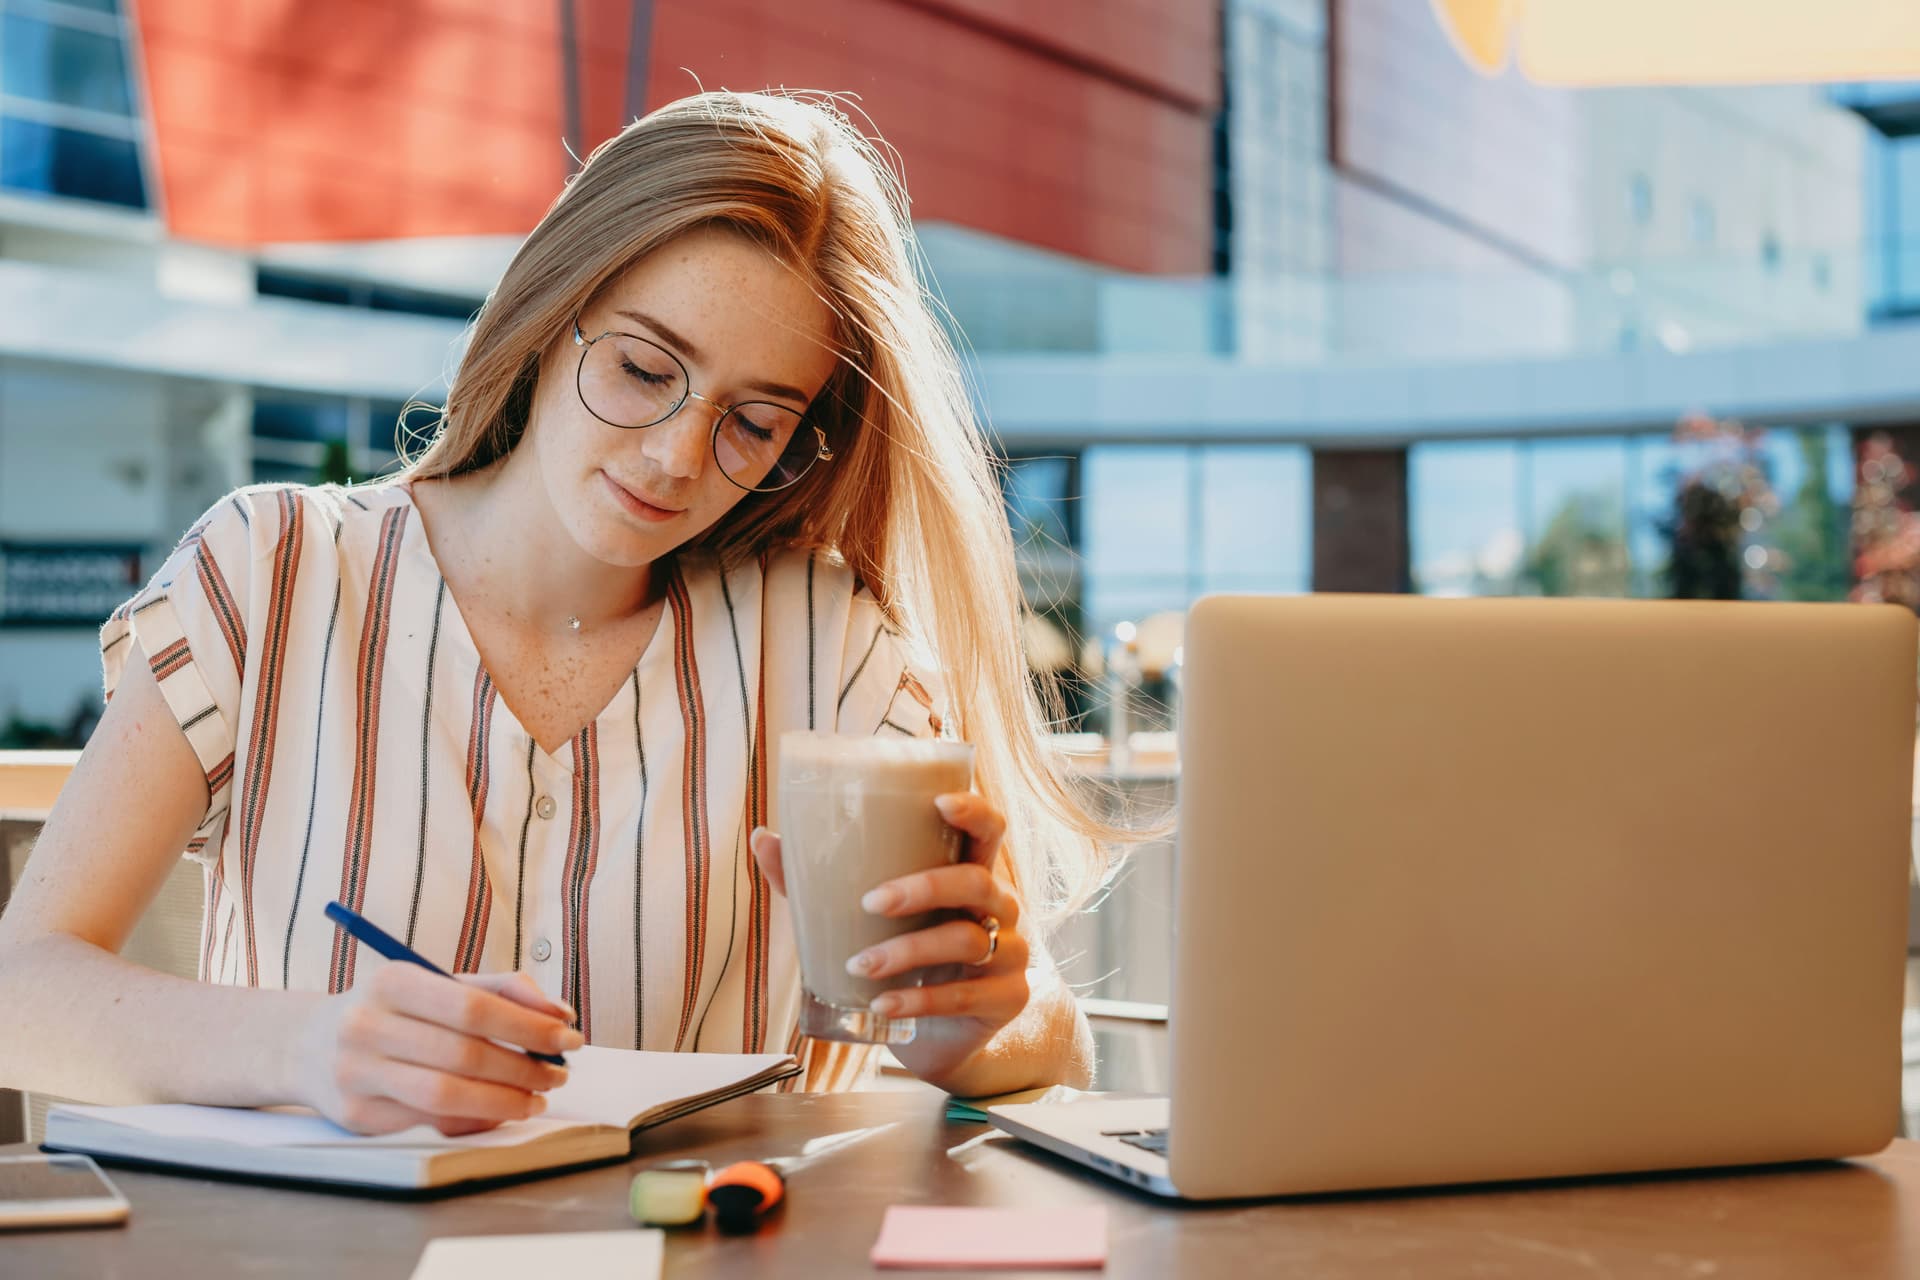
x,y
1678,304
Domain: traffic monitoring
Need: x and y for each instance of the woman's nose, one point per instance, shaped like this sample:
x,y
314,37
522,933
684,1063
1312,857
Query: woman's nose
x,y
678,446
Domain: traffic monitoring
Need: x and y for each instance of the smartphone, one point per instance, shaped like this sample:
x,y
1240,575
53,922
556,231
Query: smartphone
x,y
57,1191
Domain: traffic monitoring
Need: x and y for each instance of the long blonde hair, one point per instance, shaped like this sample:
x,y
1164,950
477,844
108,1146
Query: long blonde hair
x,y
911,500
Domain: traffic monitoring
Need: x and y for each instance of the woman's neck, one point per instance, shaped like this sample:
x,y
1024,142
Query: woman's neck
x,y
520,557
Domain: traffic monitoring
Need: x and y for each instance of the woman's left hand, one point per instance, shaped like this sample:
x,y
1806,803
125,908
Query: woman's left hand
x,y
985,983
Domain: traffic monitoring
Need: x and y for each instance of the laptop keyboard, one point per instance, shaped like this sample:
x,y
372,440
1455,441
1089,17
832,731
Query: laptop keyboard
x,y
1154,1140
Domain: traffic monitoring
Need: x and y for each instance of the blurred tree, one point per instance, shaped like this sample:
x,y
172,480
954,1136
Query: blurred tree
x,y
1811,535
1886,531
336,464
1583,550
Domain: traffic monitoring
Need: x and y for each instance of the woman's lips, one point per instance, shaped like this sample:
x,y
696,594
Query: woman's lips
x,y
637,506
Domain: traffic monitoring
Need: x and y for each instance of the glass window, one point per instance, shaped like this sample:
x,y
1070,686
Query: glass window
x,y
1576,517
67,66
1785,500
417,303
1257,525
394,427
270,283
1164,525
1808,540
1640,198
1138,530
1703,222
1040,495
279,471
1464,517
1661,466
298,418
1893,225
45,160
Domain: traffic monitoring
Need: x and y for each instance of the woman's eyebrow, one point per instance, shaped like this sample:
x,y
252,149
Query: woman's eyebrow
x,y
692,353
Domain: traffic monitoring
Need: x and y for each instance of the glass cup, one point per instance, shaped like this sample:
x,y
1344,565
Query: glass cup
x,y
854,814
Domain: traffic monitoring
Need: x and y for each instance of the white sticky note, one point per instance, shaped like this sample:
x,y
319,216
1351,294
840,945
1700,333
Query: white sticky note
x,y
631,1255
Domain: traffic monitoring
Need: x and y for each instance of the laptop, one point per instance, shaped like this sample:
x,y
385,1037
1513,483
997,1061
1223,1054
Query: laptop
x,y
1483,890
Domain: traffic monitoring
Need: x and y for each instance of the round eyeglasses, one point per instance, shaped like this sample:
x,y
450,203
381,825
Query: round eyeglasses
x,y
629,382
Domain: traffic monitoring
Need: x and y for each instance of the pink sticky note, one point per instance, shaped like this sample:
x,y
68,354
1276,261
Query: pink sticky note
x,y
982,1239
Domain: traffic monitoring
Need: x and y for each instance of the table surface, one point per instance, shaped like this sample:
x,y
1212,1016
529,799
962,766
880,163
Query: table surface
x,y
860,1153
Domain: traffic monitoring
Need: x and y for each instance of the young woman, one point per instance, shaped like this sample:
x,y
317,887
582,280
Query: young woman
x,y
708,473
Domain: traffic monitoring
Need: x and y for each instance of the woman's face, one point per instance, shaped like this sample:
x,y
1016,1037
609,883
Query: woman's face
x,y
744,327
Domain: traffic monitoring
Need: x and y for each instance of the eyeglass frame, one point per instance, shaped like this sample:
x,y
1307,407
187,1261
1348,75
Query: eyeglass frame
x,y
823,454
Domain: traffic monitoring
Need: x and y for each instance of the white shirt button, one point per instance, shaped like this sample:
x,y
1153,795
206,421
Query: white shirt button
x,y
545,806
541,947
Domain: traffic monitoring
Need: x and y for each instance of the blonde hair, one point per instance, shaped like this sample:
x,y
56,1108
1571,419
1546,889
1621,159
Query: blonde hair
x,y
911,500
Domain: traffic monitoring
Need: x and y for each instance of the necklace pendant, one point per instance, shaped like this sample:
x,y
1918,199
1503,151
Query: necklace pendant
x,y
573,623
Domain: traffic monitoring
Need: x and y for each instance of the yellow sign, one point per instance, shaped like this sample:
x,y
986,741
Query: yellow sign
x,y
1621,42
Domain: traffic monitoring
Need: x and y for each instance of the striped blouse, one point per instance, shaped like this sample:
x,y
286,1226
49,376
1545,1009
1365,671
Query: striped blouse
x,y
355,747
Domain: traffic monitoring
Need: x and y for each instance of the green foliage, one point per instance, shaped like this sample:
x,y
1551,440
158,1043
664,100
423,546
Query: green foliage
x,y
1583,549
336,464
1813,535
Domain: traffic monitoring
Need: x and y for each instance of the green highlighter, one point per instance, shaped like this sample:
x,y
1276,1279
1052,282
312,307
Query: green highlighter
x,y
673,1194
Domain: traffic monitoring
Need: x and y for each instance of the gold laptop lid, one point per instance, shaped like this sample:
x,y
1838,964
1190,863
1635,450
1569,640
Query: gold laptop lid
x,y
1485,889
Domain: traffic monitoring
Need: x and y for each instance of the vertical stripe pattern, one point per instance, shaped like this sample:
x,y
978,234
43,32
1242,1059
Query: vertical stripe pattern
x,y
317,669
220,598
266,721
426,761
479,906
369,676
759,912
313,790
583,856
693,795
639,879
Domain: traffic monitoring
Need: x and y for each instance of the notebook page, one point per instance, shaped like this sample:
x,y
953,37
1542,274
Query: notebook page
x,y
617,1086
611,1087
289,1127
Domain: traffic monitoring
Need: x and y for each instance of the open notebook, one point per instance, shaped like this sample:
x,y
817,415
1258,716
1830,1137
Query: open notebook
x,y
609,1094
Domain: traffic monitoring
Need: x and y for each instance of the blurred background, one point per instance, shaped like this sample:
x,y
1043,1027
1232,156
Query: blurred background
x,y
1270,295
1460,297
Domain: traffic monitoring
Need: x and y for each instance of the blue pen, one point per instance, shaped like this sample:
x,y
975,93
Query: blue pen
x,y
364,930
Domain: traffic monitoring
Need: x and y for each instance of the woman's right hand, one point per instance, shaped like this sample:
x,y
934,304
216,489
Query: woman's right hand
x,y
410,1047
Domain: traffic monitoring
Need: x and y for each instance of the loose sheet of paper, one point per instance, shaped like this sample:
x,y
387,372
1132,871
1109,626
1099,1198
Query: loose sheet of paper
x,y
630,1255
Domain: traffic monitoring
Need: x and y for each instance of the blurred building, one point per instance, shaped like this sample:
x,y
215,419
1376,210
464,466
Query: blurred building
x,y
236,238
1259,294
1469,318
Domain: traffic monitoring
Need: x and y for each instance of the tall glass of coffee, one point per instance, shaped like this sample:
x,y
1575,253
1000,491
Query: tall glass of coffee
x,y
854,814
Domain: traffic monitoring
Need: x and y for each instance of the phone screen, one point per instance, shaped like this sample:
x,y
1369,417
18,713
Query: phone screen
x,y
51,1178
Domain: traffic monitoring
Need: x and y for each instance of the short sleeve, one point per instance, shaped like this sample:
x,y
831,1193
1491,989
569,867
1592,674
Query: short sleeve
x,y
190,622
888,686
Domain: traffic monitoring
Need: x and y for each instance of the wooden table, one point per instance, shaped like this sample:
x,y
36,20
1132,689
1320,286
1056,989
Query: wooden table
x,y
871,1150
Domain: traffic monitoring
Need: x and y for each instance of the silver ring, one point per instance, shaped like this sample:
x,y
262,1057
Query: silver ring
x,y
992,925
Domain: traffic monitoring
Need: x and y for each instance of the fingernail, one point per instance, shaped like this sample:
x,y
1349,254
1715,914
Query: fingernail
x,y
567,1011
756,833
886,1005
556,1076
864,963
571,1039
947,804
537,1104
878,902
